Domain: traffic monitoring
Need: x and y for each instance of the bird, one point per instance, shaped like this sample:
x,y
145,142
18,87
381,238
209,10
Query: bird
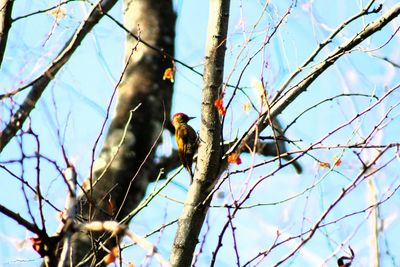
x,y
186,140
341,263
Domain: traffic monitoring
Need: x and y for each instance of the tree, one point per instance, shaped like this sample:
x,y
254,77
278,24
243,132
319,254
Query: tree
x,y
93,223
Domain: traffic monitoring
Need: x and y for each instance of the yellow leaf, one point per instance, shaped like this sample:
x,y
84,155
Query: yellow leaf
x,y
246,107
58,13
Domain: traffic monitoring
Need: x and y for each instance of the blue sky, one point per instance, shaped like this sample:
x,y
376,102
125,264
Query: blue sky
x,y
75,104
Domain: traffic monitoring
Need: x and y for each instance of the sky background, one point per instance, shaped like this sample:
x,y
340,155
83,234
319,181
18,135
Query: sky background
x,y
74,107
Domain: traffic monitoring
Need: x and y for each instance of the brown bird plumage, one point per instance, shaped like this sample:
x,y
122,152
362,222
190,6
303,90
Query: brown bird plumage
x,y
186,140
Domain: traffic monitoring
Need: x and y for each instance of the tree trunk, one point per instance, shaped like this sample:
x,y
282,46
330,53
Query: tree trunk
x,y
123,182
209,156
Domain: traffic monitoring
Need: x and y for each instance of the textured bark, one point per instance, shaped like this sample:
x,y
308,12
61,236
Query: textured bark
x,y
209,156
125,180
5,25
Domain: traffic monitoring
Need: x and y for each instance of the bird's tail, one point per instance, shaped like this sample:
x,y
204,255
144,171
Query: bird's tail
x,y
190,173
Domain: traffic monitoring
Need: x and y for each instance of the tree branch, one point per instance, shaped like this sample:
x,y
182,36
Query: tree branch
x,y
209,156
282,102
365,11
19,219
40,83
5,25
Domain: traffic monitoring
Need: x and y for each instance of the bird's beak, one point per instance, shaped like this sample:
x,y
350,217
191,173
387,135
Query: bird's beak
x,y
191,118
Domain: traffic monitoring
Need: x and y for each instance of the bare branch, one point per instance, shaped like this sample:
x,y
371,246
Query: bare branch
x,y
46,9
362,175
280,104
116,229
40,83
20,220
365,11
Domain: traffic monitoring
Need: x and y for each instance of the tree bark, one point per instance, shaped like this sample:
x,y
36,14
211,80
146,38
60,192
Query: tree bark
x,y
209,156
5,25
123,182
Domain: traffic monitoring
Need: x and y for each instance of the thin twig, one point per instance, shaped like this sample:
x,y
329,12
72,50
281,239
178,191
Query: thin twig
x,y
40,83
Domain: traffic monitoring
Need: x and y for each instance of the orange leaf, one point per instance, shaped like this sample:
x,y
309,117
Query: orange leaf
x,y
37,244
60,215
109,258
337,160
112,256
324,164
130,264
169,74
234,158
110,205
219,104
86,184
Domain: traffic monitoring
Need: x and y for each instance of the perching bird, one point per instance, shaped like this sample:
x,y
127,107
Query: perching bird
x,y
186,139
340,261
